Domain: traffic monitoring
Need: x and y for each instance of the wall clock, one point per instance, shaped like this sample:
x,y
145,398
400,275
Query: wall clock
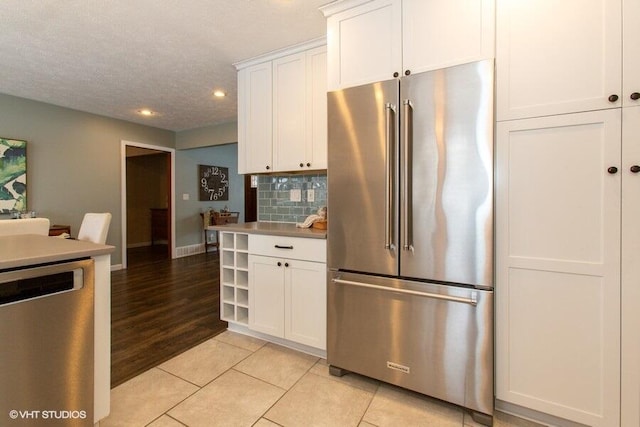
x,y
213,183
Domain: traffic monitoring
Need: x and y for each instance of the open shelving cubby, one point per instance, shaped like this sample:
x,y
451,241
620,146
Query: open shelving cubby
x,y
234,277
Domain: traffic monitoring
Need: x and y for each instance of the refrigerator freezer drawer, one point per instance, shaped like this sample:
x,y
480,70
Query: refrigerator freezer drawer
x,y
433,339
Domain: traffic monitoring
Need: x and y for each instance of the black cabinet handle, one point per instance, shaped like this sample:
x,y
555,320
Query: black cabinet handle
x,y
396,74
268,168
308,165
407,72
301,164
613,98
279,264
612,170
286,264
283,247
635,169
635,96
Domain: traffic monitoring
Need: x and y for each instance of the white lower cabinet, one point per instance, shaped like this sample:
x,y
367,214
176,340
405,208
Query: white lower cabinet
x,y
287,289
287,299
558,284
266,296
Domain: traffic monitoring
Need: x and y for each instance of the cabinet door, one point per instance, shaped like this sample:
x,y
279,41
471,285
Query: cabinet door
x,y
438,34
630,267
316,140
254,119
289,111
266,295
305,317
364,44
631,58
557,57
558,265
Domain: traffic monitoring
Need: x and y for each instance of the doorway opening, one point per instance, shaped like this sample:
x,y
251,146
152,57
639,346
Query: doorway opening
x,y
148,207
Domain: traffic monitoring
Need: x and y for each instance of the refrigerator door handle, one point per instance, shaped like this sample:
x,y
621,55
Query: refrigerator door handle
x,y
407,235
390,139
473,300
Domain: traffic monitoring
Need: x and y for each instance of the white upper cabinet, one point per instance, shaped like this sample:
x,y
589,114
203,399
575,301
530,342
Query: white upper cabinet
x,y
364,43
438,34
316,118
254,119
289,99
631,53
377,40
557,57
282,110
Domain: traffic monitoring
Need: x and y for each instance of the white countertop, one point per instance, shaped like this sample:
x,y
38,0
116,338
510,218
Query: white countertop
x,y
272,228
28,249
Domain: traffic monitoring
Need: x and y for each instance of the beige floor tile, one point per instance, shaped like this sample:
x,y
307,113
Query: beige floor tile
x,y
165,421
500,419
318,401
365,424
233,399
367,384
146,397
277,365
263,422
239,340
393,406
201,364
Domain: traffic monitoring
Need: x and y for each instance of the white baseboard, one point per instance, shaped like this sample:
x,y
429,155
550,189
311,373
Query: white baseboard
x,y
184,251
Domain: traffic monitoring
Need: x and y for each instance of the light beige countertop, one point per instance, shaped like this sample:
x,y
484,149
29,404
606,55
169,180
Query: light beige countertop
x,y
28,249
272,228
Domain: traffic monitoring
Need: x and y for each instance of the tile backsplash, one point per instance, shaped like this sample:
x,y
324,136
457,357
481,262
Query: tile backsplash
x,y
274,193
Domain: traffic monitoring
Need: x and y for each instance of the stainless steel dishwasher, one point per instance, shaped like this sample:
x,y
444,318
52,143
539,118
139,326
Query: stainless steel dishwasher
x,y
46,344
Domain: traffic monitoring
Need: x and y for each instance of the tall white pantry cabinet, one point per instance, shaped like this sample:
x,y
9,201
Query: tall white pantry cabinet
x,y
568,209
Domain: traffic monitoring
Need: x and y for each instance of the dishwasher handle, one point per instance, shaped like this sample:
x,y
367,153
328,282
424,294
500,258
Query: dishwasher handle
x,y
473,300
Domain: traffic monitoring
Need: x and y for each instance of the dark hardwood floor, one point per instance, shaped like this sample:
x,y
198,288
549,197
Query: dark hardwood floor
x,y
160,308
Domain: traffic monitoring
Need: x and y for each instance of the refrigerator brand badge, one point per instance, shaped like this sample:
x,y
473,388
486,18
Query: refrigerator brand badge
x,y
396,367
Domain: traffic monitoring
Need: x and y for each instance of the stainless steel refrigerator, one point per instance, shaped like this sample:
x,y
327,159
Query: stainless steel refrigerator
x,y
410,236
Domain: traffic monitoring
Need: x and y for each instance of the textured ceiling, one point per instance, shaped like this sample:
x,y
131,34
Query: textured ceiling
x,y
116,57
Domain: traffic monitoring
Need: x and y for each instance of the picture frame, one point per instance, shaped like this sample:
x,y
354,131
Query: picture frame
x,y
13,175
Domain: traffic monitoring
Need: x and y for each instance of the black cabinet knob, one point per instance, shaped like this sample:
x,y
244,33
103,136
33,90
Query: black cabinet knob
x,y
396,74
279,264
612,170
613,98
407,72
301,164
635,169
286,264
308,165
635,96
268,167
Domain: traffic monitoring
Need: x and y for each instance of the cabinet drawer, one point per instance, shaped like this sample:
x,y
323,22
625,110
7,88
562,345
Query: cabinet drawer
x,y
288,247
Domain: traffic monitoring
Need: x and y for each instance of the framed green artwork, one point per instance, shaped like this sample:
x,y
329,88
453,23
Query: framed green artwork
x,y
13,175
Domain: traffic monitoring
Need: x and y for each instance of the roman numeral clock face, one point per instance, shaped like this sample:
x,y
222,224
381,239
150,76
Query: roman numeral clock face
x,y
214,183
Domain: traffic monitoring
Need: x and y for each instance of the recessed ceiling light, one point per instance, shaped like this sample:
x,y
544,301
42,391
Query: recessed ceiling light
x,y
219,93
146,112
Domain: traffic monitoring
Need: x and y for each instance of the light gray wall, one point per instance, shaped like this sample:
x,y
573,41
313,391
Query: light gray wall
x,y
73,160
188,221
225,133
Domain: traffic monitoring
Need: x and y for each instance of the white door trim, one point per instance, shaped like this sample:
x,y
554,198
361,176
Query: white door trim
x,y
123,192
